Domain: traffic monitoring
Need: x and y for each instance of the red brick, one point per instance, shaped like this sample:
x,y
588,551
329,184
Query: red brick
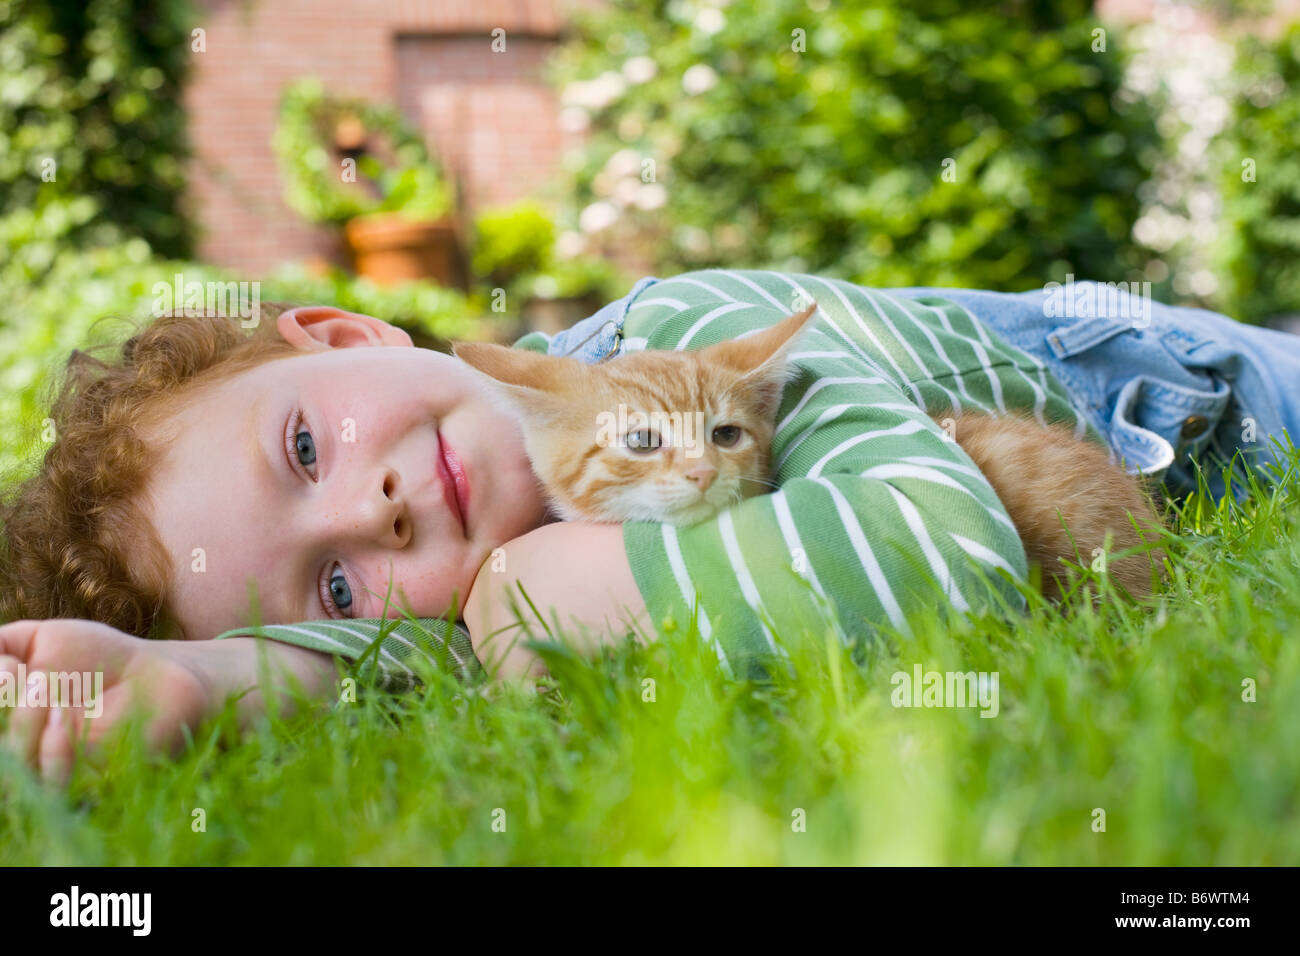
x,y
489,117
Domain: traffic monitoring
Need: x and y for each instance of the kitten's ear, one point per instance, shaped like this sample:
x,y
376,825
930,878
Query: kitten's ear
x,y
533,382
751,352
761,359
548,373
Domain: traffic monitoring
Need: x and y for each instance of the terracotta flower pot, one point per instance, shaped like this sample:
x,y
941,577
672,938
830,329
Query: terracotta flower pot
x,y
388,248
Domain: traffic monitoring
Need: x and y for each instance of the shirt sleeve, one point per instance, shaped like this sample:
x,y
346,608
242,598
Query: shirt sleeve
x,y
878,512
391,651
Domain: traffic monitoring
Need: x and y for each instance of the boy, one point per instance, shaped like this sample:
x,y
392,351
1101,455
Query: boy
x,y
330,460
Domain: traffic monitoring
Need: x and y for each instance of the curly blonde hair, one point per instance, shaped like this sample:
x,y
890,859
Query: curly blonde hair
x,y
73,540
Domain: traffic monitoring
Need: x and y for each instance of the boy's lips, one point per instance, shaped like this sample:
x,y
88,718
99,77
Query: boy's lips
x,y
455,487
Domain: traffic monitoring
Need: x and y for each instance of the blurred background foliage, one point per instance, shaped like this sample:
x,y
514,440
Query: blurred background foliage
x,y
1259,154
818,140
808,135
903,142
406,180
95,86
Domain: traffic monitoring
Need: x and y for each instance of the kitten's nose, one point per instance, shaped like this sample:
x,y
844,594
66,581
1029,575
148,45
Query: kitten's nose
x,y
702,476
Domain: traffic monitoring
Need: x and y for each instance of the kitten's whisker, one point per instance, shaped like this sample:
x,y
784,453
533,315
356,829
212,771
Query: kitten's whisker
x,y
761,481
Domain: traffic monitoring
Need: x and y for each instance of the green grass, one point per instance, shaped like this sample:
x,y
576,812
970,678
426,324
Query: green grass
x,y
1134,710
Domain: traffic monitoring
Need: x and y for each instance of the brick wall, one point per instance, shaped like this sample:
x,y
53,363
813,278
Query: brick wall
x,y
493,123
487,115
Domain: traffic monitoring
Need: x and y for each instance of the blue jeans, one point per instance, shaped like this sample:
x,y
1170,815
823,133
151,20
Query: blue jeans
x,y
1165,385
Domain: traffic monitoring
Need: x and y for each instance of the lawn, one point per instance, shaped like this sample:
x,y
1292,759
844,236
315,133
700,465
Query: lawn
x,y
1135,711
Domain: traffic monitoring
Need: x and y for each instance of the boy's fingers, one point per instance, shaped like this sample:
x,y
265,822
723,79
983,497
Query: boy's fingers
x,y
23,734
77,728
23,723
68,644
9,666
71,728
36,731
118,683
55,749
16,637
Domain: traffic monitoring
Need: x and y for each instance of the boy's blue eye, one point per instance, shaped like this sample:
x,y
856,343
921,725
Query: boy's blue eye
x,y
335,593
339,590
305,447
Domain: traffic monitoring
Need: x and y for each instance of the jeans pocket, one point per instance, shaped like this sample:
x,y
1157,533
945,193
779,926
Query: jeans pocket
x,y
1155,411
1161,426
1073,338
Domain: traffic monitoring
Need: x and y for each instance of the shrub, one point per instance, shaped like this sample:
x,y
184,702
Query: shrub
x,y
1259,255
92,132
393,169
516,249
509,240
813,136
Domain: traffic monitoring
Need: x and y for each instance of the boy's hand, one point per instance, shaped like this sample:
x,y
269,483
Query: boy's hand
x,y
174,684
135,672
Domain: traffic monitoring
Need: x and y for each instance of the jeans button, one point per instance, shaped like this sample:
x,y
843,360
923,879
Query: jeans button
x,y
1194,426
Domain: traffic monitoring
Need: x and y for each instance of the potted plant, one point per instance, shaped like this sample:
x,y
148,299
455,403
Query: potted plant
x,y
410,235
359,165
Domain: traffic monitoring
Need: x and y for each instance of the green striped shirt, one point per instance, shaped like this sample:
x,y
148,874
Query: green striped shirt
x,y
877,511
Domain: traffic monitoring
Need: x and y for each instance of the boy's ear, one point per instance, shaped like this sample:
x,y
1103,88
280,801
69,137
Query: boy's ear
x,y
318,328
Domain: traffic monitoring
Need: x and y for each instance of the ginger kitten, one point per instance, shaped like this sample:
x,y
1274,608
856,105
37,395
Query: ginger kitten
x,y
1038,472
610,442
659,435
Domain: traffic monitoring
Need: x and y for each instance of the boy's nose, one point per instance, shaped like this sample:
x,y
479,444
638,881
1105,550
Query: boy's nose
x,y
378,513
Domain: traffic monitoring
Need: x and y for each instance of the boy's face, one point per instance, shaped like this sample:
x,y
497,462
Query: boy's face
x,y
318,476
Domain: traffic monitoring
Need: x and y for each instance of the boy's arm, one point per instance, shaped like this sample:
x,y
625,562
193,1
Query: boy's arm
x,y
877,513
391,647
575,574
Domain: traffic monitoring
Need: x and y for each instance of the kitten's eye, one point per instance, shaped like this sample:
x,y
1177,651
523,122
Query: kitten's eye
x,y
644,441
725,436
337,595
